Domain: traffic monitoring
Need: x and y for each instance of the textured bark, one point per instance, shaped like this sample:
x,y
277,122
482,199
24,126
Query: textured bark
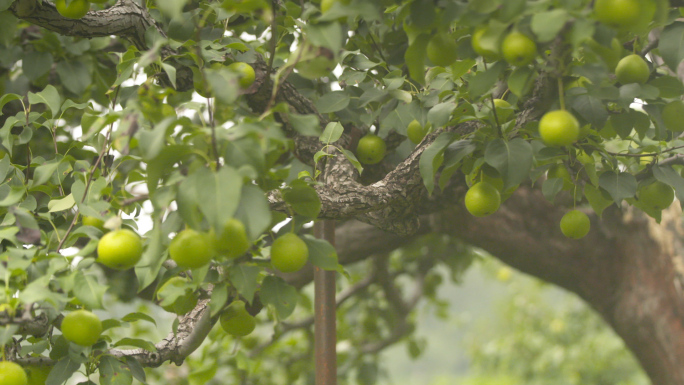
x,y
629,268
126,19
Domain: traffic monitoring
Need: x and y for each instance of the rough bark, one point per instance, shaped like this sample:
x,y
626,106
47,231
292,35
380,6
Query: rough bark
x,y
629,268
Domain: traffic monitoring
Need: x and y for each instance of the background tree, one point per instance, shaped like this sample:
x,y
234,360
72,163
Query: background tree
x,y
145,110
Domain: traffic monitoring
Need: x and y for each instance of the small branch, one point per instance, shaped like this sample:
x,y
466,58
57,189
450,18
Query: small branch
x,y
401,306
212,124
274,35
192,330
138,198
28,325
375,45
677,159
652,44
104,150
645,154
307,322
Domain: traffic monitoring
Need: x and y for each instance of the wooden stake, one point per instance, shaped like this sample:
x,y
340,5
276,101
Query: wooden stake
x,y
325,323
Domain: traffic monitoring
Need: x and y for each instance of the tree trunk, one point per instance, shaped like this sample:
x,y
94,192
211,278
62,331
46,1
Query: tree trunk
x,y
629,268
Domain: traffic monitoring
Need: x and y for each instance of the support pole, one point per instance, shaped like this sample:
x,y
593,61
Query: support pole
x,y
325,323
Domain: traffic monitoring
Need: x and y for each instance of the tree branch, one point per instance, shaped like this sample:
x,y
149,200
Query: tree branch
x,y
125,19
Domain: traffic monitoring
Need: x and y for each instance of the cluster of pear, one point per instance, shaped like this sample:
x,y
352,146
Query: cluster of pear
x,y
560,128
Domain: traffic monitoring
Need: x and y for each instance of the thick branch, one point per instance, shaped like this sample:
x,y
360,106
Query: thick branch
x,y
125,19
628,267
192,330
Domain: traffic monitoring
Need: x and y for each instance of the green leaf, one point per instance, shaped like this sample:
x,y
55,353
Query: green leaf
x,y
8,98
401,95
279,294
372,95
152,259
62,371
521,80
321,253
591,109
223,84
245,151
671,44
546,25
218,194
88,290
440,114
622,124
244,279
138,343
11,195
75,76
254,211
204,374
137,316
619,185
328,35
332,102
423,13
48,96
461,67
152,142
136,369
333,131
171,72
453,155
303,199
36,64
352,159
5,4
432,158
511,9
171,8
44,172
4,168
415,56
551,188
485,6
400,117
7,334
596,199
125,70
307,125
168,156
483,82
669,86
219,297
668,175
512,159
114,372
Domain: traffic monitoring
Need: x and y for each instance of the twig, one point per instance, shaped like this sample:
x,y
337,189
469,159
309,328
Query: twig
x,y
652,44
212,124
375,45
274,34
135,199
279,81
645,154
105,149
307,322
